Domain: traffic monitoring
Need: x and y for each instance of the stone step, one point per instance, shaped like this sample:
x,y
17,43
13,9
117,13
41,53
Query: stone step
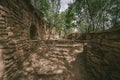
x,y
57,48
2,8
3,26
12,43
10,65
58,56
2,22
8,61
72,45
57,53
59,41
67,47
13,75
10,72
2,12
3,33
8,57
3,37
8,51
6,46
2,18
2,41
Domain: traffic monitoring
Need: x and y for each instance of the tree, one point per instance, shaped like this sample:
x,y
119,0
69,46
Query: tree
x,y
114,11
50,8
85,15
96,15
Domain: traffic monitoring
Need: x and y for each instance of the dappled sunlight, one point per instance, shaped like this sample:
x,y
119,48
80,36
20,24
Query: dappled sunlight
x,y
52,59
59,39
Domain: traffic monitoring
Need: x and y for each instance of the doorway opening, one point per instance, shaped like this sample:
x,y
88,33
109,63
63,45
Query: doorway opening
x,y
33,33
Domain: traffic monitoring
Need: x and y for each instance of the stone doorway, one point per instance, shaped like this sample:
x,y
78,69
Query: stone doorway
x,y
33,32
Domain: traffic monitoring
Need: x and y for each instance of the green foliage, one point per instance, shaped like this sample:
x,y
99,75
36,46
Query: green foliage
x,y
94,15
69,16
85,15
41,4
50,8
114,11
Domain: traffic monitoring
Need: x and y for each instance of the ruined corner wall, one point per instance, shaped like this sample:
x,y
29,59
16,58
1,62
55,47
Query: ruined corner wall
x,y
102,51
20,16
16,18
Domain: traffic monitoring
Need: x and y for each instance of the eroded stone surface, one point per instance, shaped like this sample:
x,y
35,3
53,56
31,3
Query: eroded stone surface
x,y
103,54
52,61
25,59
1,64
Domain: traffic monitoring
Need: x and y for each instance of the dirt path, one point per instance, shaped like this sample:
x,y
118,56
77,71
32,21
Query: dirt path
x,y
80,69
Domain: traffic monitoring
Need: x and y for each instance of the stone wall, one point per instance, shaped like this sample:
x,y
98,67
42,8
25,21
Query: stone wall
x,y
74,36
17,17
20,16
102,51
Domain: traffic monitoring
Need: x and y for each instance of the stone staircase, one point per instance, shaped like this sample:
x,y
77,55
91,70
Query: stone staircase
x,y
51,60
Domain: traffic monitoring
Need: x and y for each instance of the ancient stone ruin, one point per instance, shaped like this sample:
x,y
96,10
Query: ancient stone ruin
x,y
19,21
26,55
102,51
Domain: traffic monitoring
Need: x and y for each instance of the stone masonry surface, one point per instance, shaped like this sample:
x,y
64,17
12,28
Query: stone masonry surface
x,y
25,56
102,51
